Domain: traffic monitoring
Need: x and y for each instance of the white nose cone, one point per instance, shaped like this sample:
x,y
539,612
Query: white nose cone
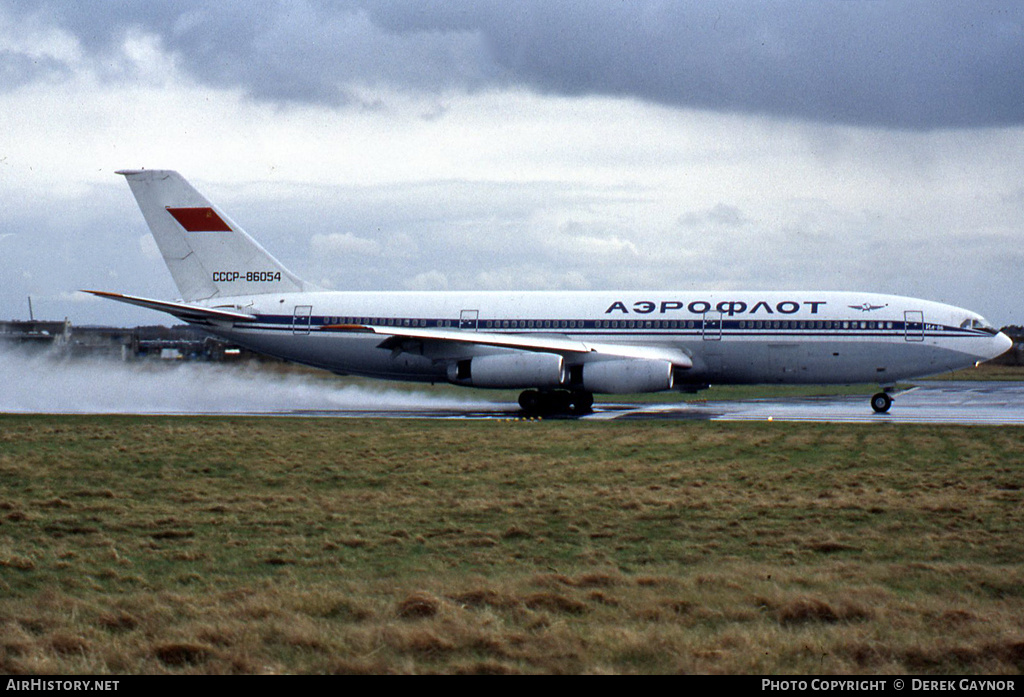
x,y
1001,345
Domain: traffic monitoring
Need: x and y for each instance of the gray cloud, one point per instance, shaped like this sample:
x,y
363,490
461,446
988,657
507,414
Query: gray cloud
x,y
906,65
647,197
17,70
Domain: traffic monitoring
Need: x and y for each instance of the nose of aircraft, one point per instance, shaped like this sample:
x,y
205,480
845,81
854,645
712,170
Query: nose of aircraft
x,y
1001,345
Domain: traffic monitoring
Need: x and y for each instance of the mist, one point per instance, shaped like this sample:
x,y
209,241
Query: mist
x,y
48,383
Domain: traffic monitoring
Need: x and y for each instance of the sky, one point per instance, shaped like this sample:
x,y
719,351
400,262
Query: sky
x,y
605,144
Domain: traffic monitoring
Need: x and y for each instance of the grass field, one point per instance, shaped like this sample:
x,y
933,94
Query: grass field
x,y
274,545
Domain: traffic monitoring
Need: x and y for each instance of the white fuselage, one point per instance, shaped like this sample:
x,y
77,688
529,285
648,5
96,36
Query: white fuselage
x,y
560,347
730,337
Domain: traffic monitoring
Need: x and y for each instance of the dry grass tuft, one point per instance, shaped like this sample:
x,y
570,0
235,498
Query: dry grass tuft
x,y
418,640
804,610
485,598
17,561
485,668
941,659
418,606
68,644
865,655
1011,651
598,580
361,666
173,535
602,598
955,618
279,561
830,546
179,654
117,621
552,580
554,602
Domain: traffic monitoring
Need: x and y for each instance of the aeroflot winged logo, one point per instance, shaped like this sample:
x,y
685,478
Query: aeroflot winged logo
x,y
199,219
867,307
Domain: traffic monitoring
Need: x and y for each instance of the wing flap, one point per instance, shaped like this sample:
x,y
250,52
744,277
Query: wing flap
x,y
570,348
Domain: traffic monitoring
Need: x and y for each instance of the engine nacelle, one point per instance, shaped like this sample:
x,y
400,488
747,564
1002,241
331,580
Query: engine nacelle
x,y
512,370
627,376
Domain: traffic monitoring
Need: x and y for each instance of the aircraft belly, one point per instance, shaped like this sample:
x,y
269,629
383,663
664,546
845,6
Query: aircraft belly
x,y
842,362
354,354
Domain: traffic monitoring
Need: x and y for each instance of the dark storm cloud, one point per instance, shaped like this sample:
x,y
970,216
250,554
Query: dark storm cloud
x,y
305,52
908,65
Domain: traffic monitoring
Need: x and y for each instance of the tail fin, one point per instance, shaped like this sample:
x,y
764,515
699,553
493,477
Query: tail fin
x,y
207,253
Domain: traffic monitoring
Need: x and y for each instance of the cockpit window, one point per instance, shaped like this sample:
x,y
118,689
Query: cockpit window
x,y
980,324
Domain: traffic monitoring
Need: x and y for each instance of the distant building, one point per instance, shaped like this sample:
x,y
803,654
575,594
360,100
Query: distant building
x,y
37,333
180,342
102,342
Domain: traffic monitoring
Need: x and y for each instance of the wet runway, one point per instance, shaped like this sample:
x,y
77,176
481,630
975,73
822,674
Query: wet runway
x,y
39,384
962,403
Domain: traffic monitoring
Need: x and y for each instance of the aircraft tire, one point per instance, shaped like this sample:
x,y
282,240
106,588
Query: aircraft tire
x,y
881,403
556,402
530,401
582,403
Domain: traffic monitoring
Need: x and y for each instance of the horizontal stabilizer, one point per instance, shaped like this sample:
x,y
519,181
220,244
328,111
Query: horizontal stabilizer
x,y
189,313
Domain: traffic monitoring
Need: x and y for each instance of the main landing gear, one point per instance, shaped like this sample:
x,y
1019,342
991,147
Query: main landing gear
x,y
539,403
881,403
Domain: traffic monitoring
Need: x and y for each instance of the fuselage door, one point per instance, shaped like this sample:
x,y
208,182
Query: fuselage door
x,y
913,323
468,319
301,319
712,326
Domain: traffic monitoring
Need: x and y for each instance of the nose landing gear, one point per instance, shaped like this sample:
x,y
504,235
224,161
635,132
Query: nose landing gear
x,y
881,403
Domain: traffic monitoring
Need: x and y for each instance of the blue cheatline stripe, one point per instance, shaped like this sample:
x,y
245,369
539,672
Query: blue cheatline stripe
x,y
733,328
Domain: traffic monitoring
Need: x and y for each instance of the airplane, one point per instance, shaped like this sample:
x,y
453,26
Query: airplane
x,y
559,347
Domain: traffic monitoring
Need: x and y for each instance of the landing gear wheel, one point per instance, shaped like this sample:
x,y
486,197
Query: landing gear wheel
x,y
535,402
581,403
881,403
557,402
530,401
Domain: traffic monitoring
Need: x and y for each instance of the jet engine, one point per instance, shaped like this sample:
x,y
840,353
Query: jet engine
x,y
511,370
627,376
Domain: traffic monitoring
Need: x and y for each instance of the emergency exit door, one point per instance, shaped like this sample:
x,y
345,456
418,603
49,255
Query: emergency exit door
x,y
301,319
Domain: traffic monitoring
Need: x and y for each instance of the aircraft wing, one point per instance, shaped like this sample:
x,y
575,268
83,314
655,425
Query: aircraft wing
x,y
189,313
569,348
